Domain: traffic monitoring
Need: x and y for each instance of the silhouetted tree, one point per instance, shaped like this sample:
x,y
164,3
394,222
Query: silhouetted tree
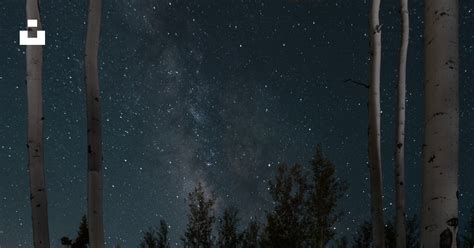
x,y
342,242
468,238
390,235
363,237
201,217
150,239
156,239
163,239
228,236
285,226
250,235
82,239
66,241
326,190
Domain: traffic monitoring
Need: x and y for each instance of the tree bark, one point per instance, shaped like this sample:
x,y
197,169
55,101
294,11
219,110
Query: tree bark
x,y
400,218
440,153
94,132
34,74
374,128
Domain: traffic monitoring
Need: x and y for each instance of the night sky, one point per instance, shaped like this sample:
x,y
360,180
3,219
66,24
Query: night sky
x,y
212,91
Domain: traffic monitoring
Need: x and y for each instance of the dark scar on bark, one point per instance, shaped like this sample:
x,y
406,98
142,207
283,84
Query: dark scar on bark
x,y
445,239
452,222
431,159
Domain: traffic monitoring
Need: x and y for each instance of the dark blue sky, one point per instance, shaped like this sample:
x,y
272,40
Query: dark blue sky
x,y
211,91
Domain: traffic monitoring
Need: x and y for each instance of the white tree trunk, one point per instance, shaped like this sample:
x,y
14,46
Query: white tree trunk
x,y
400,221
94,132
376,186
440,154
38,198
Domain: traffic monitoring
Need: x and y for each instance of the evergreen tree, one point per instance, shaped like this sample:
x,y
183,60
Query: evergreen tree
x,y
82,239
228,237
66,241
163,239
342,242
250,235
285,226
156,239
468,238
150,239
363,237
201,217
325,193
390,235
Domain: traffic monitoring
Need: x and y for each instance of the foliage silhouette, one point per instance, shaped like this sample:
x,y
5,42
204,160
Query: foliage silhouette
x,y
82,239
156,238
326,191
201,217
285,224
228,236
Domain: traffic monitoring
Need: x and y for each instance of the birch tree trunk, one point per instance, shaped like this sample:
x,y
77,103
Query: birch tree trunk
x,y
400,221
440,154
374,128
94,132
34,74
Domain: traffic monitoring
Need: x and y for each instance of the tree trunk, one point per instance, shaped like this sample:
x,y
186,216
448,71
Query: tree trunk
x,y
38,196
400,221
374,128
94,133
440,153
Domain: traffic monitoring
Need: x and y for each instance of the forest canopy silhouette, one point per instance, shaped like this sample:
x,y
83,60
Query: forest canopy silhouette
x,y
305,214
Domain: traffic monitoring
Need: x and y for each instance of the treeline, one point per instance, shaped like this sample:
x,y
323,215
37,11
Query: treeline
x,y
305,213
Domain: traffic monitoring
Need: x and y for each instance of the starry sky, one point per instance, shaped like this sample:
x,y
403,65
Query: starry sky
x,y
212,91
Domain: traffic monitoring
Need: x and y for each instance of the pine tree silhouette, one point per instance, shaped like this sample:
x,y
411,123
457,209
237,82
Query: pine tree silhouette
x,y
228,236
250,236
156,238
363,237
285,225
201,217
163,239
326,191
82,239
150,239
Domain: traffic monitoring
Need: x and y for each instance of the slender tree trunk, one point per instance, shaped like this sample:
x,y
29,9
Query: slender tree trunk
x,y
440,154
94,132
34,74
374,128
400,221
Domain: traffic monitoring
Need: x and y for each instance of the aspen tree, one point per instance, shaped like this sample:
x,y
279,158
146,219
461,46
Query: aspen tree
x,y
34,77
94,132
440,150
